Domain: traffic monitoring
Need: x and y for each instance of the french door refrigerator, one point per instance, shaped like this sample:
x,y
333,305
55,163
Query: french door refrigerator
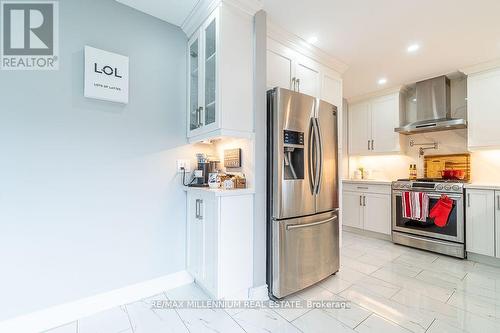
x,y
302,191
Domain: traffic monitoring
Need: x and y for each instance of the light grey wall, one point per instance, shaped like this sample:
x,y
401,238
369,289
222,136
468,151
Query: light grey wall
x,y
89,197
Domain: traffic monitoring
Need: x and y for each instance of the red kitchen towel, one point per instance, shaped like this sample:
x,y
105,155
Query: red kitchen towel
x,y
441,211
415,206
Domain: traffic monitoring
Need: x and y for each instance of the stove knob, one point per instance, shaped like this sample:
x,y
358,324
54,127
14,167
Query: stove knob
x,y
439,187
456,187
447,187
407,185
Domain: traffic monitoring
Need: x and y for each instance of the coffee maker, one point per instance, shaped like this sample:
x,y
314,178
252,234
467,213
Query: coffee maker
x,y
205,166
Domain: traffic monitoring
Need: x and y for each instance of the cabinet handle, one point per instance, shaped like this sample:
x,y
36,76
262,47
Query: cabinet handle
x,y
200,216
498,202
468,199
298,85
197,209
361,200
362,188
368,144
200,110
364,201
294,80
372,144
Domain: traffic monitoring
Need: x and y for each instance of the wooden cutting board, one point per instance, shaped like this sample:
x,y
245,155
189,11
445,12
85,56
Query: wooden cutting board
x,y
434,164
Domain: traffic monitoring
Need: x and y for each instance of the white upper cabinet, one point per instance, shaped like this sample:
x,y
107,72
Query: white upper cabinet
x,y
279,70
360,129
483,109
220,54
307,77
385,117
372,123
289,69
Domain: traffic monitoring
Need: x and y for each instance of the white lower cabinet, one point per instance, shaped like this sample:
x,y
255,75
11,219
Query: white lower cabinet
x,y
482,228
220,241
367,207
377,213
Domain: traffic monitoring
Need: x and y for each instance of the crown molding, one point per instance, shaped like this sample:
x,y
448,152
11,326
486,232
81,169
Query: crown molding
x,y
378,93
204,8
482,67
294,42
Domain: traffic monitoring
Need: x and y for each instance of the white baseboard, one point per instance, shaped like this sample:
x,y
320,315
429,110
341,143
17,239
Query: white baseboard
x,y
482,259
259,293
59,315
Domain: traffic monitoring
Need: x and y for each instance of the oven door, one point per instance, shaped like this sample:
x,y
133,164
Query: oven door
x,y
452,231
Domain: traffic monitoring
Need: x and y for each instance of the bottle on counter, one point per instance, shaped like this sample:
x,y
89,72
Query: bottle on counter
x,y
413,172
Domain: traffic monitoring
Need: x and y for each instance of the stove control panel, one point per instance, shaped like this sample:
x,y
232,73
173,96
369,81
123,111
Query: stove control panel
x,y
428,186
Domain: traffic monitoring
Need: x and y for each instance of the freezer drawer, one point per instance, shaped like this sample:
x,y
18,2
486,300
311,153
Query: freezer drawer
x,y
305,251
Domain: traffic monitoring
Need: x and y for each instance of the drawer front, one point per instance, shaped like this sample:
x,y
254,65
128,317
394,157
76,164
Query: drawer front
x,y
367,188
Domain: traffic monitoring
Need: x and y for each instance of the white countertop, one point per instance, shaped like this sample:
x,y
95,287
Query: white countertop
x,y
483,186
368,181
221,192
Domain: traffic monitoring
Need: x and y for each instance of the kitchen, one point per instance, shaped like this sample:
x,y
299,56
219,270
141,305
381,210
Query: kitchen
x,y
265,154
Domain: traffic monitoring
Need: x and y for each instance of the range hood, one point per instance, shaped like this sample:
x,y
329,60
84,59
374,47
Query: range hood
x,y
433,108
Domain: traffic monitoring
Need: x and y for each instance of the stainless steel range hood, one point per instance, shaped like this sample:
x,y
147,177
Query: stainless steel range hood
x,y
433,108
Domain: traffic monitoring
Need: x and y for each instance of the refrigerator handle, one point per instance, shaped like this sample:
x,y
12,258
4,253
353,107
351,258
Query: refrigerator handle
x,y
310,148
319,156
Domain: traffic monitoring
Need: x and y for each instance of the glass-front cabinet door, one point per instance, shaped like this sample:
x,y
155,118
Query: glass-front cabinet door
x,y
195,118
210,64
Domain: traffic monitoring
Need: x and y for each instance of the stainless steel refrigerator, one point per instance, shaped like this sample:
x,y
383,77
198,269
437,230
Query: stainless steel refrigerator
x,y
302,191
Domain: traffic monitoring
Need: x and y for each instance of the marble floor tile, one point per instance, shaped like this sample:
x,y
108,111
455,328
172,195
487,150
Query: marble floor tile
x,y
264,321
451,315
402,269
439,293
351,315
377,324
69,328
335,284
439,326
349,274
476,304
291,313
202,320
374,260
358,265
352,252
377,286
318,321
115,320
145,319
407,317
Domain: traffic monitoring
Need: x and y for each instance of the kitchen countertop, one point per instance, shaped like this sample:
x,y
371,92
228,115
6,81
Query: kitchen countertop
x,y
367,181
483,186
221,192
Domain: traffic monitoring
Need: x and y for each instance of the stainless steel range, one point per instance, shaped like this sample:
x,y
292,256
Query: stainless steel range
x,y
426,235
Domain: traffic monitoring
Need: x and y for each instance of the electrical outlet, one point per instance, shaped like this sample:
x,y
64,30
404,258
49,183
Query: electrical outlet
x,y
183,164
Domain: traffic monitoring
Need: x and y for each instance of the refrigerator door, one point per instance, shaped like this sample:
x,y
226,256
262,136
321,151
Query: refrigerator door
x,y
327,189
305,251
291,138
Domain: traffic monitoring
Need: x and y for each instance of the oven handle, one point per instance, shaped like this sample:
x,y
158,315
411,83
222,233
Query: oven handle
x,y
434,196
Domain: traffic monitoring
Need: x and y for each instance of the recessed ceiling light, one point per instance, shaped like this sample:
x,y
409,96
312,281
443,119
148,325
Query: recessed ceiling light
x,y
312,40
413,48
382,81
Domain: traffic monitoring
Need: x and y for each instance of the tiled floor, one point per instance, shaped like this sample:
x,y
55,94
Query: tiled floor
x,y
391,289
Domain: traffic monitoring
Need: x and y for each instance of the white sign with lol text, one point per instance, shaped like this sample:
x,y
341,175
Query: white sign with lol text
x,y
106,75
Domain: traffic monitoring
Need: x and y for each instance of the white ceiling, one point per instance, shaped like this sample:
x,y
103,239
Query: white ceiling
x,y
172,11
371,36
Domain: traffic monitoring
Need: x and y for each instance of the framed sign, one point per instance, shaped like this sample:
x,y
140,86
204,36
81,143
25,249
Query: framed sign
x,y
106,75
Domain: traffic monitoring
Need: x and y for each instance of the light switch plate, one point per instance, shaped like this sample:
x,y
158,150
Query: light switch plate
x,y
183,164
